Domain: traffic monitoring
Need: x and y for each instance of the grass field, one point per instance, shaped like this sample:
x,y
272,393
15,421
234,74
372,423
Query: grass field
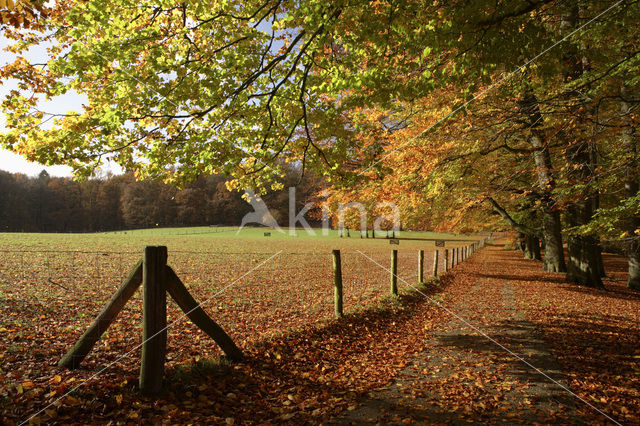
x,y
215,238
255,287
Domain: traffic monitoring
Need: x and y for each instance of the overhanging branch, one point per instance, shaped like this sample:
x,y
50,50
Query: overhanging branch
x,y
515,225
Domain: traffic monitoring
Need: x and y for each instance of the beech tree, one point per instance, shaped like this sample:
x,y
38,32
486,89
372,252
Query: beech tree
x,y
179,90
558,114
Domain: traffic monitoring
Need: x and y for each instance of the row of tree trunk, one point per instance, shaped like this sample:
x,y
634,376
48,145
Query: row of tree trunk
x,y
584,263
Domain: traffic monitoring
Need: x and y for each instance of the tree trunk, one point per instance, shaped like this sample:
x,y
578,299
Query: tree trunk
x,y
532,247
634,263
584,265
552,234
601,261
630,190
536,248
520,241
596,206
551,226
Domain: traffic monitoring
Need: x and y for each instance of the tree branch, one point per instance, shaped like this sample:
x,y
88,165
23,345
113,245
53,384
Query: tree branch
x,y
515,225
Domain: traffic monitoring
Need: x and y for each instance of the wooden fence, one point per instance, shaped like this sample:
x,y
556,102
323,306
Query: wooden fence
x,y
158,280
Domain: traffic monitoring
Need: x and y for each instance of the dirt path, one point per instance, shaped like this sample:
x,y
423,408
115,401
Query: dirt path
x,y
458,363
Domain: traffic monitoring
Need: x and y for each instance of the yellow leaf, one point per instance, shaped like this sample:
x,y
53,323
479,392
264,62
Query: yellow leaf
x,y
57,378
119,399
72,401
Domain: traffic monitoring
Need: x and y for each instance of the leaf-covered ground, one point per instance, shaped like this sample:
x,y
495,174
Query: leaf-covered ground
x,y
522,347
402,361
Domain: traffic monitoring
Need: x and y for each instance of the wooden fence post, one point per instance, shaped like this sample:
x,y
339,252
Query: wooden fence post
x,y
337,283
435,263
421,266
394,272
446,260
154,319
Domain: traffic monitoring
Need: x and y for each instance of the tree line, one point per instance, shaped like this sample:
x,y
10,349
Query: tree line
x,y
115,202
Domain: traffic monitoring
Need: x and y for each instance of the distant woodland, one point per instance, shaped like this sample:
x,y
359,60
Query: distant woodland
x,y
52,204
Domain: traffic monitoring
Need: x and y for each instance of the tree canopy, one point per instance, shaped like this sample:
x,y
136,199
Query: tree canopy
x,y
459,112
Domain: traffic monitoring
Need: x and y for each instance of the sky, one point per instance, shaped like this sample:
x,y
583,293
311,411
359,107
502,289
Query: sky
x,y
10,162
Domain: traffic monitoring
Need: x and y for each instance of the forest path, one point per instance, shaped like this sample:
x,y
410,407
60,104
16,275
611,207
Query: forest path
x,y
463,376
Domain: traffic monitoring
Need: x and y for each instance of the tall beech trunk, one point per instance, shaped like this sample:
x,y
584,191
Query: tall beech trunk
x,y
552,234
551,226
584,266
630,190
532,247
520,241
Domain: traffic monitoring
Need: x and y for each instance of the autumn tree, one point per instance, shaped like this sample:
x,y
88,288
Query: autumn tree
x,y
177,90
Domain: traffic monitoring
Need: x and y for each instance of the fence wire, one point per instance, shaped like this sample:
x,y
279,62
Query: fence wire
x,y
290,291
